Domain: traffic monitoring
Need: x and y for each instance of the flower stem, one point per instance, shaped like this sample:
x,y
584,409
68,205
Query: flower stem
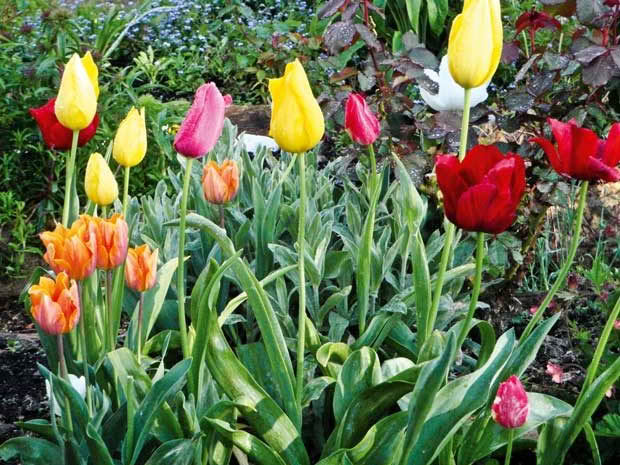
x,y
108,293
70,168
511,433
64,374
475,291
301,329
126,192
372,180
140,315
82,335
222,217
567,264
465,124
600,348
181,265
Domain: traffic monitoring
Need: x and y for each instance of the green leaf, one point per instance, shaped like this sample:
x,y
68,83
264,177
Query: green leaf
x,y
331,357
422,285
176,451
378,330
98,450
591,438
413,12
487,342
360,371
314,389
30,450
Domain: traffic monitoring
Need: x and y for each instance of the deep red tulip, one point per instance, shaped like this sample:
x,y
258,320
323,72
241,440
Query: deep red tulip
x,y
510,407
203,123
580,154
55,135
534,20
482,192
361,123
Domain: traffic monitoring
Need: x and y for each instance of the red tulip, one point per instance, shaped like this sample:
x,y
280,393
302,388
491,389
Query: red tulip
x,y
55,135
482,192
55,304
580,154
203,123
361,124
510,407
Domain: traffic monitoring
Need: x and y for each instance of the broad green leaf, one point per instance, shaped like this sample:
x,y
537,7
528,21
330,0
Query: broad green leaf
x,y
487,341
378,330
30,450
314,389
177,452
331,357
591,438
403,341
413,12
98,450
360,371
422,286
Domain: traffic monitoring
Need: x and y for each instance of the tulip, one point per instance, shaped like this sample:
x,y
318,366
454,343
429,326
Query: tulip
x,y
297,122
220,183
141,268
203,123
130,140
359,121
580,154
91,71
55,135
112,241
482,192
76,103
99,182
510,407
55,304
252,143
450,95
475,44
72,250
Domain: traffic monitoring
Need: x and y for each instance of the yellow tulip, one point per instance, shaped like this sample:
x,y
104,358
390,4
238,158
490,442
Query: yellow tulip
x,y
475,45
297,122
130,139
92,71
99,182
76,102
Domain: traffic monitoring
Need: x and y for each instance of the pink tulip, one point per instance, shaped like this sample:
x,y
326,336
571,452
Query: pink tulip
x,y
511,406
361,124
203,123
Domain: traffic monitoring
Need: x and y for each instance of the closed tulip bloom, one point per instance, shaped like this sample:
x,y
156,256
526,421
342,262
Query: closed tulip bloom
x,y
55,304
580,154
141,268
203,123
55,135
99,182
112,241
510,407
76,103
297,122
130,140
359,121
475,44
482,192
72,250
220,183
92,71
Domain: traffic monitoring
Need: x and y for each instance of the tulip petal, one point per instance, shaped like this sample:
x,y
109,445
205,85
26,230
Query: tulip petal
x,y
479,161
473,205
452,185
596,170
611,153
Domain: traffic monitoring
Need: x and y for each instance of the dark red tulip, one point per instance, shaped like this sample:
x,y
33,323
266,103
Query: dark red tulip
x,y
534,20
361,123
55,135
580,154
482,192
511,406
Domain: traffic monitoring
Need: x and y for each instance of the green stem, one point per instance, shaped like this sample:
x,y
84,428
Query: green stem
x,y
567,264
140,315
301,329
70,168
373,171
511,434
600,348
82,334
475,291
465,124
126,192
181,265
108,293
525,46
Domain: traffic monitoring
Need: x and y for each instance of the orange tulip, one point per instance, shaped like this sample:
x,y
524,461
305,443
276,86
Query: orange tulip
x,y
141,268
220,183
55,304
73,250
112,241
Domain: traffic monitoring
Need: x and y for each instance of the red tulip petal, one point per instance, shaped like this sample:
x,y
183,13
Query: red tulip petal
x,y
585,145
452,185
552,154
474,205
598,170
509,175
611,152
478,162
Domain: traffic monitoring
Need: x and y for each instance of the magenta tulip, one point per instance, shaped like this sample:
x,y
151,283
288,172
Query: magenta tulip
x,y
361,123
203,123
511,407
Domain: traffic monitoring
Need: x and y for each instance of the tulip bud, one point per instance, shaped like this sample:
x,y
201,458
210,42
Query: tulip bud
x,y
297,122
220,183
72,251
141,268
55,304
361,124
99,182
77,382
130,140
55,135
203,123
510,407
112,241
475,44
91,71
76,104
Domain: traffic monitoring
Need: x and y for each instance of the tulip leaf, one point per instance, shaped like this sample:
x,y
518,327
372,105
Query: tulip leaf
x,y
413,12
176,451
98,450
30,450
